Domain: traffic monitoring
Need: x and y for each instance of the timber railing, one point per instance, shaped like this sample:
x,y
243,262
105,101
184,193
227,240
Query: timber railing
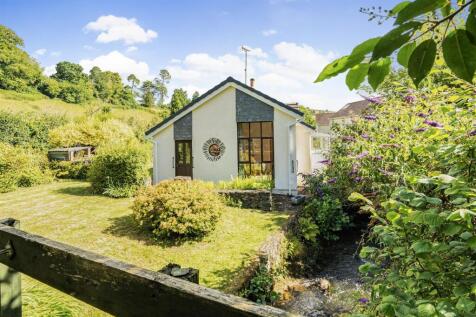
x,y
112,286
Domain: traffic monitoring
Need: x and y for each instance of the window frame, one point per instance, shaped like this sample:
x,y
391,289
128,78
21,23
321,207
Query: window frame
x,y
249,162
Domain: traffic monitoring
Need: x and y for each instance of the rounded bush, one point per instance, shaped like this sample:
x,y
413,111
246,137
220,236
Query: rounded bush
x,y
118,170
178,208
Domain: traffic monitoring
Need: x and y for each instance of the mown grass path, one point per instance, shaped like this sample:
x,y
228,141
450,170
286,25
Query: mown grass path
x,y
67,212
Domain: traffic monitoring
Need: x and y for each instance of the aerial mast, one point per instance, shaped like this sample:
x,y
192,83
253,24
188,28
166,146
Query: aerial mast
x,y
246,50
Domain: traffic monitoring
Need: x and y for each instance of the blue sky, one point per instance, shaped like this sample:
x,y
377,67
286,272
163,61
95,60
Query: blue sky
x,y
198,41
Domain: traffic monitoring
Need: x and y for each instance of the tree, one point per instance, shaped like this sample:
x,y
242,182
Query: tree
x,y
18,71
309,115
133,80
161,85
420,26
179,100
69,72
195,95
148,93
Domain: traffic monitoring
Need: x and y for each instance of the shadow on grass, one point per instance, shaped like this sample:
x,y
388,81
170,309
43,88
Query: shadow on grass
x,y
76,191
126,226
232,280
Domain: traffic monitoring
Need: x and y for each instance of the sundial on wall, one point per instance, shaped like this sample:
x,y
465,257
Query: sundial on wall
x,y
213,149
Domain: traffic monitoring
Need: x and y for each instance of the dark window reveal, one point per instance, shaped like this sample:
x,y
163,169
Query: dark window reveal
x,y
255,148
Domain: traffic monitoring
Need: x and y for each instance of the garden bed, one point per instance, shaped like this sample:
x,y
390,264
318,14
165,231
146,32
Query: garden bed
x,y
68,212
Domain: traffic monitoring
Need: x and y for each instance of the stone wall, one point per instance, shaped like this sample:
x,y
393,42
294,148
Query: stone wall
x,y
260,199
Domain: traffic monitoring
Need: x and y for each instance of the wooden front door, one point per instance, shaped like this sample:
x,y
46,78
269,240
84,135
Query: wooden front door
x,y
183,158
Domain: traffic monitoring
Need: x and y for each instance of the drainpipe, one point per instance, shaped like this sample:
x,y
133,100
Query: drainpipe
x,y
289,154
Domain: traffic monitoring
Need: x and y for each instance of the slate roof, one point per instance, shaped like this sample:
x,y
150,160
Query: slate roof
x,y
212,90
349,110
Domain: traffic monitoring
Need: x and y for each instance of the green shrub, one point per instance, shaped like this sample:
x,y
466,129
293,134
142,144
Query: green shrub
x,y
27,129
178,208
118,170
21,167
255,182
91,132
68,169
260,288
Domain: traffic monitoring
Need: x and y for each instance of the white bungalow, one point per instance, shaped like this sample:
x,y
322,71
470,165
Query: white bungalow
x,y
233,130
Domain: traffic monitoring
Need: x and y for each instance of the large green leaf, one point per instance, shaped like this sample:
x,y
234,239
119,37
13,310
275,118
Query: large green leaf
x,y
471,25
399,7
417,8
357,75
421,247
338,66
365,47
422,60
405,52
378,71
394,39
460,54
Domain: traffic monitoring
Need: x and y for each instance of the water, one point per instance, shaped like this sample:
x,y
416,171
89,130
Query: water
x,y
335,288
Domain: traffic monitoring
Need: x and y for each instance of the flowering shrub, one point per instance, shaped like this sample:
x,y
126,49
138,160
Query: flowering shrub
x,y
178,208
412,160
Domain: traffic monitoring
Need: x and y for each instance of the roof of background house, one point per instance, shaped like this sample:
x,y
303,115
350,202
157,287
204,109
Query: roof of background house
x,y
324,118
209,92
352,109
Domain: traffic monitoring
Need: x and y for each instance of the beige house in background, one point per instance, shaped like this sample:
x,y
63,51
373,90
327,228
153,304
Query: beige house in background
x,y
325,120
233,130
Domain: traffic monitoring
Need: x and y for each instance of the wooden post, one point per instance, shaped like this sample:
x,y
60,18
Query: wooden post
x,y
10,280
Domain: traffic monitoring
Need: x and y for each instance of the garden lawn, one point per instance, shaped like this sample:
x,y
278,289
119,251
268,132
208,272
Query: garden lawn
x,y
67,212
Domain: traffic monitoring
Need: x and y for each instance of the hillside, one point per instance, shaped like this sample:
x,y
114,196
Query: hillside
x,y
15,102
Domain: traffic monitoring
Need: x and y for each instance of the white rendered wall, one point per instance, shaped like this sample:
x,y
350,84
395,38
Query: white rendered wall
x,y
216,119
164,152
284,155
303,149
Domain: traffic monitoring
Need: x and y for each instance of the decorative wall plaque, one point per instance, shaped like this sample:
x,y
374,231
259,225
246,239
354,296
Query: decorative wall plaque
x,y
213,149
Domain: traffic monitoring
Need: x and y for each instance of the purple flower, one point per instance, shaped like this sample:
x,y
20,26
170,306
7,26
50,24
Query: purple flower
x,y
362,155
420,130
422,115
326,162
348,138
370,117
378,157
433,123
392,136
410,98
357,179
375,100
354,170
363,300
365,136
472,133
332,180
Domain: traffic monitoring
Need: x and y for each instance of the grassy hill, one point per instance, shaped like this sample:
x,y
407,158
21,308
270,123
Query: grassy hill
x,y
15,102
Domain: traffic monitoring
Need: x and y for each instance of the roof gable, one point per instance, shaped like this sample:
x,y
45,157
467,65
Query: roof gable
x,y
229,82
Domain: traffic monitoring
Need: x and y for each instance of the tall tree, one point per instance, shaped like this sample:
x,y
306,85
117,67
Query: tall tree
x,y
179,100
161,85
18,71
70,72
195,95
133,81
148,93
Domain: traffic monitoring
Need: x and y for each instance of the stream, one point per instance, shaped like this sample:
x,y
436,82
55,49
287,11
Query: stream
x,y
336,286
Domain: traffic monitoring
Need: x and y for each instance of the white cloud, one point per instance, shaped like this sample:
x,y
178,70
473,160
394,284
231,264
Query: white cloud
x,y
131,49
40,51
287,74
55,53
117,62
269,32
114,28
49,70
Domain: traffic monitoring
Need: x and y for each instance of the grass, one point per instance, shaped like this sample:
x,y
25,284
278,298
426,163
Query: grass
x,y
67,212
255,182
15,102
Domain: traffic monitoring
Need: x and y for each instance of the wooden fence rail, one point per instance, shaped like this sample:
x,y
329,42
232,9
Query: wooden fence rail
x,y
115,287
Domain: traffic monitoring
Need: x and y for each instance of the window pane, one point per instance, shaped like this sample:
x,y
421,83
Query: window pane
x,y
243,130
267,150
255,169
268,168
243,150
256,150
188,153
180,152
267,128
255,129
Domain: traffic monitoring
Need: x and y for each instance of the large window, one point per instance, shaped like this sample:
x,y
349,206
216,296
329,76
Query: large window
x,y
255,148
